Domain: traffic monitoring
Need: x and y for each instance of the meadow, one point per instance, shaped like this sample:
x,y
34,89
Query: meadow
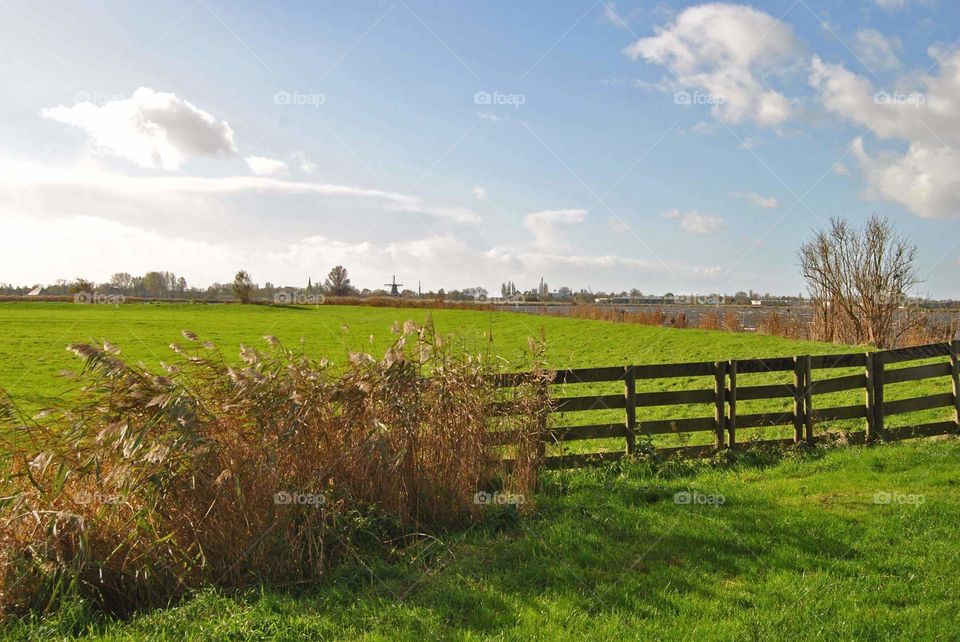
x,y
33,354
852,543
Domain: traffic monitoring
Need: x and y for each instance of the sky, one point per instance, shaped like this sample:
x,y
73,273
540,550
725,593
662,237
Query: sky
x,y
666,146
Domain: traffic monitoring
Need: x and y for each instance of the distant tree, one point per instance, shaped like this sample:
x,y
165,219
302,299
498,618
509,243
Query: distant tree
x,y
243,286
81,285
338,282
155,284
122,281
181,285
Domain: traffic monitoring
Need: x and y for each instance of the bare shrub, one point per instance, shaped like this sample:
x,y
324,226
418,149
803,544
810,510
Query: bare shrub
x,y
271,471
857,280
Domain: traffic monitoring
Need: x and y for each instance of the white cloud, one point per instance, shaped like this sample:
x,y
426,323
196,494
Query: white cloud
x,y
263,166
768,202
841,170
923,110
875,50
695,222
18,176
305,164
480,193
549,226
728,51
151,128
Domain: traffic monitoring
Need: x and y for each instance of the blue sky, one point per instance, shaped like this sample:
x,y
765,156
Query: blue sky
x,y
680,146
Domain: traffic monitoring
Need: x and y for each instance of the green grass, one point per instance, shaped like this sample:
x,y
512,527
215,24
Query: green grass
x,y
798,550
32,350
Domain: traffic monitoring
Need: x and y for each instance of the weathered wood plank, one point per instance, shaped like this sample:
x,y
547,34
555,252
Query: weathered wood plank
x,y
590,375
590,431
917,352
720,391
923,430
630,403
762,419
595,402
915,404
955,379
674,397
560,462
770,391
799,383
837,413
853,360
666,426
870,401
838,384
732,394
668,370
916,373
775,364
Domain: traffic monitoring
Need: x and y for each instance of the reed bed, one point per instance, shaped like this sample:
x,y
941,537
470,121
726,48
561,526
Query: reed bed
x,y
267,472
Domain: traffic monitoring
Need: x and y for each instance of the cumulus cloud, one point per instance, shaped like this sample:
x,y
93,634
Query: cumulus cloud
x,y
694,222
877,51
768,202
263,166
305,164
727,51
480,193
923,111
151,128
549,227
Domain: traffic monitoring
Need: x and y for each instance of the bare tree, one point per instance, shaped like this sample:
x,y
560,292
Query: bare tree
x,y
243,286
338,282
859,280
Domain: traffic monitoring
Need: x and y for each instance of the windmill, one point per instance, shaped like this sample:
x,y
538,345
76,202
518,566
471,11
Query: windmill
x,y
394,291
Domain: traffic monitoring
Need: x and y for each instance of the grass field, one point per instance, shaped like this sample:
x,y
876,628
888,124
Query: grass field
x,y
798,550
35,334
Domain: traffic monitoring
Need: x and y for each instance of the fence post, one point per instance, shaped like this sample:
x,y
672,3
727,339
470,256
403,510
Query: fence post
x,y
869,398
720,390
955,375
732,402
629,394
798,397
875,381
808,399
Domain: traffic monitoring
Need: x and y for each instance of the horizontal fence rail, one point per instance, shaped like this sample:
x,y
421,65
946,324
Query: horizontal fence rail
x,y
724,395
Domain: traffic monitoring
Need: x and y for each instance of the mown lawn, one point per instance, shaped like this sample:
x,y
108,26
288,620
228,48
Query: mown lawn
x,y
800,549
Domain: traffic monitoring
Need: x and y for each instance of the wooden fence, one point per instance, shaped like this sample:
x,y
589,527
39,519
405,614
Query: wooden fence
x,y
725,395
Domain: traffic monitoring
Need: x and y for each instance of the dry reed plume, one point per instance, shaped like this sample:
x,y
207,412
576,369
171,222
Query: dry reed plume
x,y
150,484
